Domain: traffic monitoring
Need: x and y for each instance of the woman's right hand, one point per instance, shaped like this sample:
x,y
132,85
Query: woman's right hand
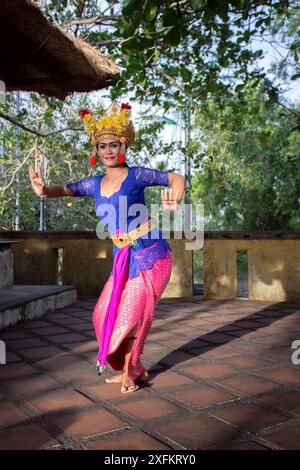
x,y
37,181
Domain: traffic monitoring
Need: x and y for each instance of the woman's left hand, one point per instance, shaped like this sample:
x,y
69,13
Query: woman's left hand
x,y
169,202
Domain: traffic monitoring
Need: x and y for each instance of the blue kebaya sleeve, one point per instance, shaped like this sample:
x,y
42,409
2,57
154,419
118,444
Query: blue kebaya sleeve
x,y
148,177
83,188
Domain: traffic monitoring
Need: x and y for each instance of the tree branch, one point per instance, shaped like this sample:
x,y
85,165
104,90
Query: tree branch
x,y
108,42
14,171
94,20
81,10
33,131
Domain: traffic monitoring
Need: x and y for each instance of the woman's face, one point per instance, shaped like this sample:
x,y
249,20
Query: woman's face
x,y
108,151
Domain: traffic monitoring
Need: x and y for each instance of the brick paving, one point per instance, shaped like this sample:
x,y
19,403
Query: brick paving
x,y
221,377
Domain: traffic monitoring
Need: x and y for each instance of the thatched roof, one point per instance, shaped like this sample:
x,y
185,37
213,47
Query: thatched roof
x,y
37,56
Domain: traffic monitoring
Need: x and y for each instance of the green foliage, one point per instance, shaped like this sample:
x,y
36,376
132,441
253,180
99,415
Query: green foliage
x,y
66,156
196,56
196,43
246,157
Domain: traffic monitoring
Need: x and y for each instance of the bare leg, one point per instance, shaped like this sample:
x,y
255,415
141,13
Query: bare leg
x,y
130,336
117,378
127,346
127,384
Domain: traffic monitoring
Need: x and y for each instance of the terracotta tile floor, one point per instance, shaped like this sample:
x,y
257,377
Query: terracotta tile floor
x,y
221,378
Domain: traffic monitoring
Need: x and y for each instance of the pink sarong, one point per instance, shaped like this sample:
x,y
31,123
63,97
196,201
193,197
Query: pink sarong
x,y
125,303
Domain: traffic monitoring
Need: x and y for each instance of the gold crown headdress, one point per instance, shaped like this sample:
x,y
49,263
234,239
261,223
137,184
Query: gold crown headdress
x,y
114,123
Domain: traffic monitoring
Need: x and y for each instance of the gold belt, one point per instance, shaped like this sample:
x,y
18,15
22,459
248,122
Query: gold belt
x,y
124,239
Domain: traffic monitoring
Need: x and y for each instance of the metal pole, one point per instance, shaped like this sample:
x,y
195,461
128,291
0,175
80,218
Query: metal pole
x,y
42,200
187,168
42,206
17,219
187,137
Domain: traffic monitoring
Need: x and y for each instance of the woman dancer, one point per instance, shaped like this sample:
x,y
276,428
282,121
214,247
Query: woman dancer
x,y
142,263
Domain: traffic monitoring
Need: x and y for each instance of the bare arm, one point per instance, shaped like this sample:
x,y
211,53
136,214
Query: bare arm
x,y
39,187
57,191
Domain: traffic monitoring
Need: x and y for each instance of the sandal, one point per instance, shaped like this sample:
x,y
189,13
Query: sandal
x,y
129,388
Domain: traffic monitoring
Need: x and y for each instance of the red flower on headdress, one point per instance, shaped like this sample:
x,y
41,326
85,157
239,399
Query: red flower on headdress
x,y
83,112
125,106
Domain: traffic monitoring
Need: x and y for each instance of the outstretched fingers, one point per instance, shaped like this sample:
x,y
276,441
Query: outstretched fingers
x,y
32,173
167,195
39,170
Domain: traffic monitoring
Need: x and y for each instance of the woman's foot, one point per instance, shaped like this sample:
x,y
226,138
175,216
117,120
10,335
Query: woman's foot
x,y
128,385
118,378
115,379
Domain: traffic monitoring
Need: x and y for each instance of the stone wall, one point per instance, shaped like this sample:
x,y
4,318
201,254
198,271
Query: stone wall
x,y
273,265
83,260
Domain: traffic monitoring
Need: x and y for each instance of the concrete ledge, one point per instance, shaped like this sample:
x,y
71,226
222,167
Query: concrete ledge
x,y
26,302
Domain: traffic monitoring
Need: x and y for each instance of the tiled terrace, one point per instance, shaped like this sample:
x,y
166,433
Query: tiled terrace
x,y
221,378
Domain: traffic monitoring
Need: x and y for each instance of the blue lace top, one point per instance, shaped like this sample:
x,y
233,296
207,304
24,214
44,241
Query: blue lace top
x,y
150,247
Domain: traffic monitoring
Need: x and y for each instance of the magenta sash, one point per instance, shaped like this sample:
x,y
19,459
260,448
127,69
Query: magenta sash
x,y
120,274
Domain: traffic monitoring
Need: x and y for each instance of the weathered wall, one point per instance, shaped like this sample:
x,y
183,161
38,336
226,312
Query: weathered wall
x,y
86,261
273,267
273,263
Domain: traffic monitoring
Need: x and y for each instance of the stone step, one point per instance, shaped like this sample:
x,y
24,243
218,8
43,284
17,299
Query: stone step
x,y
25,302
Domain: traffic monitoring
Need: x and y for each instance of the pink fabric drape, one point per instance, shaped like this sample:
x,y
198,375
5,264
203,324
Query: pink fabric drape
x,y
120,275
136,309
